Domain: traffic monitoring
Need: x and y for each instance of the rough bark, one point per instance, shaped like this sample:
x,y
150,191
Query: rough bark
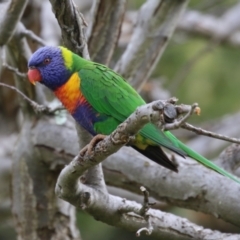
x,y
222,29
193,187
104,29
155,25
11,13
72,24
37,212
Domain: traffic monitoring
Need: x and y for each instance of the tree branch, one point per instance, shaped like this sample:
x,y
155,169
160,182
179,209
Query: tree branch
x,y
201,131
33,194
37,107
222,29
225,126
10,14
70,189
31,35
155,25
194,187
14,70
123,213
17,54
230,159
72,24
105,29
130,170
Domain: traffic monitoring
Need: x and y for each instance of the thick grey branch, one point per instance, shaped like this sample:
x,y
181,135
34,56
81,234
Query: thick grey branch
x,y
137,169
224,28
194,187
70,189
105,29
230,159
72,23
94,176
33,194
155,25
10,14
122,213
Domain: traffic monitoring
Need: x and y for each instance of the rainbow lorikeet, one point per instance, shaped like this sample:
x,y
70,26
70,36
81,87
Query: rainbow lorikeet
x,y
99,100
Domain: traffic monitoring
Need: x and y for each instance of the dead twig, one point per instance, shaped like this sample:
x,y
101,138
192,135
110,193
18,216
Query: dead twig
x,y
31,35
143,212
201,131
14,70
37,107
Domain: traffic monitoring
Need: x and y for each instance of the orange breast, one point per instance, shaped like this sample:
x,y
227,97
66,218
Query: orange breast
x,y
69,93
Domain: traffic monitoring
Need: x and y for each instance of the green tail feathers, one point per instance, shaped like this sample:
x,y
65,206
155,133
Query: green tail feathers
x,y
201,159
207,163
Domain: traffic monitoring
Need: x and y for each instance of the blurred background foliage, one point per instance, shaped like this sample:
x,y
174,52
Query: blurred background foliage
x,y
213,81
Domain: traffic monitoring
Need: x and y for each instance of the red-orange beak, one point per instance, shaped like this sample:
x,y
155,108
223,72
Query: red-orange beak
x,y
34,75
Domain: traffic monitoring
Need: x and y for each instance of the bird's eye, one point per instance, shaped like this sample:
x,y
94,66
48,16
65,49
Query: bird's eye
x,y
46,61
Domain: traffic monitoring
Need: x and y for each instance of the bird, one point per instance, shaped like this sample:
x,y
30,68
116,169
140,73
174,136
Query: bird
x,y
99,99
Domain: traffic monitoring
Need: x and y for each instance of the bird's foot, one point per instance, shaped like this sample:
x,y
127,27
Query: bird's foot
x,y
88,148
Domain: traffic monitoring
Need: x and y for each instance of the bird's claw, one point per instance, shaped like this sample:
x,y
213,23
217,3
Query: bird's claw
x,y
89,148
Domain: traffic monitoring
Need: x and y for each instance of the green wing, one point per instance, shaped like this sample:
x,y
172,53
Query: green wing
x,y
110,94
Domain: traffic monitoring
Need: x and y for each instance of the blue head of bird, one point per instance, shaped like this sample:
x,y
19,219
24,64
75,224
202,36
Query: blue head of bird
x,y
48,67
